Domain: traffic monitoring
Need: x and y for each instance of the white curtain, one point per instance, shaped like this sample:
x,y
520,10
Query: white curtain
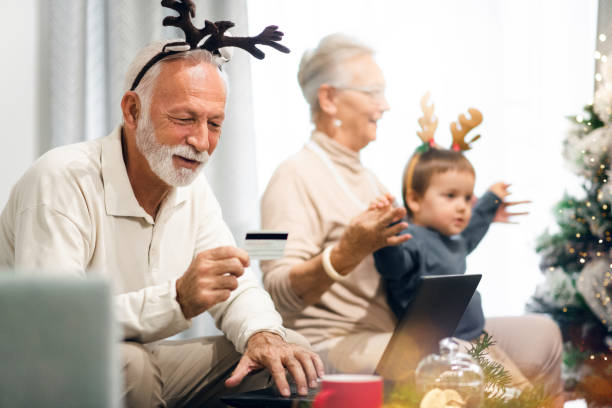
x,y
85,49
526,64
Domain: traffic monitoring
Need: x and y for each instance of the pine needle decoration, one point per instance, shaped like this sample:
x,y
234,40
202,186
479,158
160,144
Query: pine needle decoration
x,y
496,378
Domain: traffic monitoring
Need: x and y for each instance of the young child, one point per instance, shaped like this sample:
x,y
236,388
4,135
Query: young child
x,y
445,224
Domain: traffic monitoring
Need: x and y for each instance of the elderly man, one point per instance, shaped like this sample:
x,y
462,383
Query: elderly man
x,y
130,206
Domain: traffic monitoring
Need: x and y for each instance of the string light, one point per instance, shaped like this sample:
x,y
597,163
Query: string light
x,y
582,260
578,235
597,54
602,37
604,58
597,78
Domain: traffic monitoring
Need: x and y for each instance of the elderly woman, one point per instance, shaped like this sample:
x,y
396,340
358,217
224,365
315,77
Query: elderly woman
x,y
326,287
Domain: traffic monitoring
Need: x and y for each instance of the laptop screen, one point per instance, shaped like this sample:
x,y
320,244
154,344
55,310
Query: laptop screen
x,y
433,314
57,343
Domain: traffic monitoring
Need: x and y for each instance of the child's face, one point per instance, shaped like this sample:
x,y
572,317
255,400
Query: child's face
x,y
446,204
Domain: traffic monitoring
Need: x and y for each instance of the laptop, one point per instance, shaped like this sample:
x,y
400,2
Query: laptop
x,y
57,343
433,314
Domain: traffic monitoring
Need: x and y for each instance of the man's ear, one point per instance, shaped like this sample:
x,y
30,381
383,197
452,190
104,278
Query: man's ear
x,y
327,101
131,108
413,201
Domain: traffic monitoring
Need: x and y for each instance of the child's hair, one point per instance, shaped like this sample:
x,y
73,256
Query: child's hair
x,y
422,166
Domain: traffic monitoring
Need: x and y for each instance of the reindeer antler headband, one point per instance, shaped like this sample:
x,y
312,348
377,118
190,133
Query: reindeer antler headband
x,y
270,36
429,125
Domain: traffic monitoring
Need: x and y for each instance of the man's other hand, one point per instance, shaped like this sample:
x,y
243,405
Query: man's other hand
x,y
210,279
269,350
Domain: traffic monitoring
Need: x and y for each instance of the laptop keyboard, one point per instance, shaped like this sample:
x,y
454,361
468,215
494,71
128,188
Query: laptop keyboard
x,y
312,392
269,397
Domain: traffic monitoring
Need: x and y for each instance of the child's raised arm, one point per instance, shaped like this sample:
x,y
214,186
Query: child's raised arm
x,y
502,214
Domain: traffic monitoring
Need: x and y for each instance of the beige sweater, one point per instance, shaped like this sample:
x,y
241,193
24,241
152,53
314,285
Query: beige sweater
x,y
304,199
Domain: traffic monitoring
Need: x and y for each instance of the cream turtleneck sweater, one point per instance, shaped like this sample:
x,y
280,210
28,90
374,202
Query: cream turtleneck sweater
x,y
304,198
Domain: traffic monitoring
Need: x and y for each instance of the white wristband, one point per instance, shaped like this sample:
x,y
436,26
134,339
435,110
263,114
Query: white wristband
x,y
327,266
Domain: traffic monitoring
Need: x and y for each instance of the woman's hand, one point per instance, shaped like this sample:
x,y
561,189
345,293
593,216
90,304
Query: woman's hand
x,y
375,228
382,202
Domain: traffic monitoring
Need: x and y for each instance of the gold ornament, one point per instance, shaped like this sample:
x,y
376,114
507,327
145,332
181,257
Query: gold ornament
x,y
437,398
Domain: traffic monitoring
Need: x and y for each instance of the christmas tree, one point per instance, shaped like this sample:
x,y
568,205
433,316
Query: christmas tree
x,y
577,256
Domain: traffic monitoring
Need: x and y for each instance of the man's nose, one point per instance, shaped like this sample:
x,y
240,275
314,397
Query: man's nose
x,y
199,138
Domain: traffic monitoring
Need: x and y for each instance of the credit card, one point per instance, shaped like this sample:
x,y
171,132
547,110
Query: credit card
x,y
265,245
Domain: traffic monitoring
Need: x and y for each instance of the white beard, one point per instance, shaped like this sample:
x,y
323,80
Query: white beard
x,y
159,156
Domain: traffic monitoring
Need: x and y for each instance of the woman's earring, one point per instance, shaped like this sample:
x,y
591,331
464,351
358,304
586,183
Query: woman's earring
x,y
337,122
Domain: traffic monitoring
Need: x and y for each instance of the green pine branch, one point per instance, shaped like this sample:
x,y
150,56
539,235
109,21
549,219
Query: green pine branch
x,y
496,378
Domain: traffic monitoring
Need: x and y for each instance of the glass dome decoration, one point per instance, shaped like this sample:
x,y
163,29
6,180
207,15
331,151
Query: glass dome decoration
x,y
450,379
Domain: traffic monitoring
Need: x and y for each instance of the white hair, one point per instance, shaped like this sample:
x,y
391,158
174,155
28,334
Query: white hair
x,y
323,65
145,87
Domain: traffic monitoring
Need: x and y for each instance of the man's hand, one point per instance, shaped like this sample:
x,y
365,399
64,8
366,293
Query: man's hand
x,y
269,350
210,279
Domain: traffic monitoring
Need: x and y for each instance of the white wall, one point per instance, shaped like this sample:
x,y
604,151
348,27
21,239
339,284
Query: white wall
x,y
18,82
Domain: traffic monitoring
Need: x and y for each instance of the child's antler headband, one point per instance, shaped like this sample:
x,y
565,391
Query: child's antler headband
x,y
270,36
429,124
459,129
465,125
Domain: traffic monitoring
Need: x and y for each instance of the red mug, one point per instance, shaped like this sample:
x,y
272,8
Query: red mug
x,y
350,391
